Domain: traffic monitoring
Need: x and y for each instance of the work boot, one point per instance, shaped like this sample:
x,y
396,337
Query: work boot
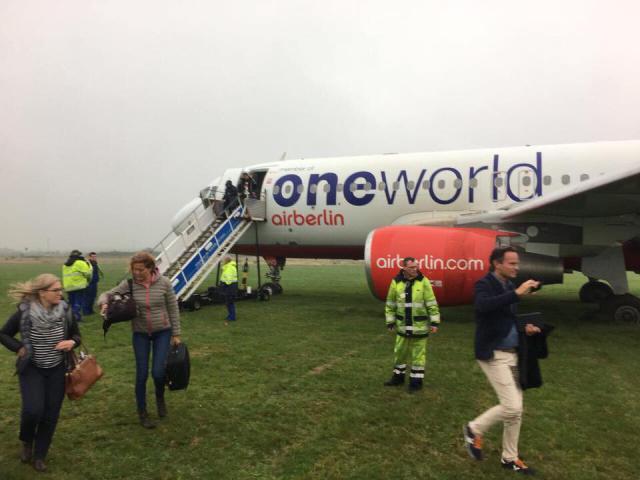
x,y
26,453
162,407
395,381
145,421
415,385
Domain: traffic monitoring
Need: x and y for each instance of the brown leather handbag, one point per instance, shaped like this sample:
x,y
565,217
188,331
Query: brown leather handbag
x,y
84,371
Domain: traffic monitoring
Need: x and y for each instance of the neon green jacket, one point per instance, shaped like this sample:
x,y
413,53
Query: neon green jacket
x,y
229,273
411,306
77,276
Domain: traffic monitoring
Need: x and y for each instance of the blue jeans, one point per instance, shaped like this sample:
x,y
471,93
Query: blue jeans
x,y
142,345
76,300
42,391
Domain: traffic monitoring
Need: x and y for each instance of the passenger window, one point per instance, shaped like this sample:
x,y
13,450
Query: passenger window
x,y
352,187
547,180
566,179
326,188
276,190
526,180
396,185
368,186
498,182
339,187
584,177
300,188
425,185
313,188
473,183
457,183
287,189
411,184
441,184
381,186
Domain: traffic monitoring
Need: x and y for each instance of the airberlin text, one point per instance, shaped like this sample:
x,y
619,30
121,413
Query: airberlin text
x,y
360,188
429,262
326,217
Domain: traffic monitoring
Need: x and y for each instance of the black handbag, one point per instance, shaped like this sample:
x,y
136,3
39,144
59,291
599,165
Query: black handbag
x,y
178,368
120,308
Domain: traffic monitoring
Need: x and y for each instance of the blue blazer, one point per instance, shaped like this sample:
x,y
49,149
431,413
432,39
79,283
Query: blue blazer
x,y
495,312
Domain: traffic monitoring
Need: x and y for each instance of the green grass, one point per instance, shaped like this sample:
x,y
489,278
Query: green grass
x,y
294,391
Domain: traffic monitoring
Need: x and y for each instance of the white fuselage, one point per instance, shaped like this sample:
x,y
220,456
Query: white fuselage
x,y
336,202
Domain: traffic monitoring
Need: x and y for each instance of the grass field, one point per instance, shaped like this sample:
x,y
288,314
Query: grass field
x,y
294,391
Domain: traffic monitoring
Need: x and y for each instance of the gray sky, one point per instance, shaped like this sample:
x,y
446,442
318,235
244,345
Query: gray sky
x,y
114,114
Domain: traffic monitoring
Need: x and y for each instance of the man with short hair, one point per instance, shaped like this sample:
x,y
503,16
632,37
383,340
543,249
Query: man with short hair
x,y
412,312
92,289
229,287
496,343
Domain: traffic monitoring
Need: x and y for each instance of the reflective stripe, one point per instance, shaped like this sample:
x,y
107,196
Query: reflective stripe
x,y
390,318
429,304
409,328
391,304
417,369
416,375
435,318
403,366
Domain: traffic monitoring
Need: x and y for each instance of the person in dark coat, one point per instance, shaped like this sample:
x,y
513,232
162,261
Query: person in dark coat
x,y
91,291
496,346
230,197
48,329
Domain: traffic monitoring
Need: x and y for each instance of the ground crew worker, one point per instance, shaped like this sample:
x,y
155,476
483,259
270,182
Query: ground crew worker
x,y
229,287
76,275
412,311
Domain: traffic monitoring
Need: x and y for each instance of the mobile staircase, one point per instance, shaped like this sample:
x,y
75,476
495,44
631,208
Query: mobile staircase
x,y
189,253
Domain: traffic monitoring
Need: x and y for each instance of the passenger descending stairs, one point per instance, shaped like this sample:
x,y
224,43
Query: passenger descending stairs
x,y
196,261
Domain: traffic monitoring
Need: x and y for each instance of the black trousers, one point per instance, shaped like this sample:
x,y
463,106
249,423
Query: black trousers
x,y
42,391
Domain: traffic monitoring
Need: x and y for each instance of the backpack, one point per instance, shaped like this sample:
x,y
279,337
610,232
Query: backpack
x,y
178,367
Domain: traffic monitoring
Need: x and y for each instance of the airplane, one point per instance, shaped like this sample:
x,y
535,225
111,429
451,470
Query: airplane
x,y
564,207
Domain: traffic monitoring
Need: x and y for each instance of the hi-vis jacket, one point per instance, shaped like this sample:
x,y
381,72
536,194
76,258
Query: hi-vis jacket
x,y
229,273
412,306
77,276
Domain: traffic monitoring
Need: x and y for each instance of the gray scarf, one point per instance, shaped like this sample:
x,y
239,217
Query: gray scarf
x,y
43,319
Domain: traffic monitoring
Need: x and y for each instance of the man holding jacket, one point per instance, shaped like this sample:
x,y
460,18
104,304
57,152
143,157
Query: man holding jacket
x,y
496,344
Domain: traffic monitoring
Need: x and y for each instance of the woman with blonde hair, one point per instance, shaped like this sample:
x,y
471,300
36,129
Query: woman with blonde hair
x,y
48,329
155,327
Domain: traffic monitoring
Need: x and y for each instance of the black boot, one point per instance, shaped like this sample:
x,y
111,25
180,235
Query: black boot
x,y
395,381
26,453
415,385
162,407
145,421
39,465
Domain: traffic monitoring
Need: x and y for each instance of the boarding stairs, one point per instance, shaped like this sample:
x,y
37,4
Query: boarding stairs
x,y
191,251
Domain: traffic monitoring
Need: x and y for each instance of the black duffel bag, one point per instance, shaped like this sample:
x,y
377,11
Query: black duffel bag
x,y
120,308
178,367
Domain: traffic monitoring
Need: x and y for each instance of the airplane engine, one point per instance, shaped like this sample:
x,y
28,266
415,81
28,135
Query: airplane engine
x,y
452,258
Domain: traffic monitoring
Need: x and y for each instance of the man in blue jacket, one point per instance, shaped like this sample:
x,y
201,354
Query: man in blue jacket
x,y
496,343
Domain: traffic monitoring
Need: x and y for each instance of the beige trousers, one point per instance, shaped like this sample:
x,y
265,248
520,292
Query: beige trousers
x,y
502,372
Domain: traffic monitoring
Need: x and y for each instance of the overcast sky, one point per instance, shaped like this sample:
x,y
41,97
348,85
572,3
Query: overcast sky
x,y
114,114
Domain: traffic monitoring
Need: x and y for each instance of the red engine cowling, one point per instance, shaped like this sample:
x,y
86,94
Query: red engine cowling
x,y
453,259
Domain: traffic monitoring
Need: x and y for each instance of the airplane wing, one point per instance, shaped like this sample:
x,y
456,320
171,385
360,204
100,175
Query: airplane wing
x,y
608,195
